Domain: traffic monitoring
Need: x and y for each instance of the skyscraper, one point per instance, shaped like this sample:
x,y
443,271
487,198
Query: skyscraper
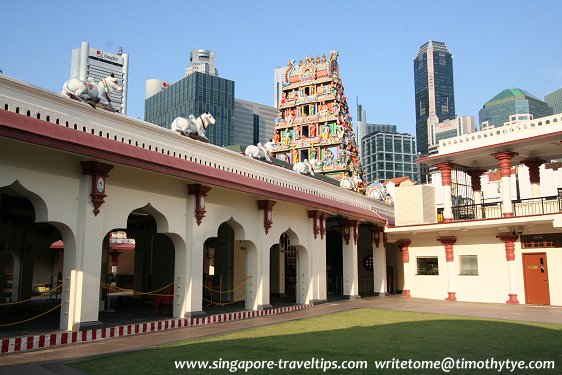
x,y
202,61
195,94
97,64
501,107
554,101
278,78
434,89
253,123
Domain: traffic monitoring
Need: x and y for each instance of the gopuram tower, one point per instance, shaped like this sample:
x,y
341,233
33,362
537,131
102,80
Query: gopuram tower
x,y
313,122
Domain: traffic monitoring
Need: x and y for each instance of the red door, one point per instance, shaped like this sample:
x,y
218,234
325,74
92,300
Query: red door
x,y
535,271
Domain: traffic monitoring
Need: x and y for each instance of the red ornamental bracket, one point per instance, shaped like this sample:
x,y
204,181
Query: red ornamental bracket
x,y
98,171
318,223
200,192
267,207
316,217
347,227
376,232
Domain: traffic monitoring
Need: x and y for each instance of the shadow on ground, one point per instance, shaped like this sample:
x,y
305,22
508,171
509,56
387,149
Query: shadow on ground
x,y
365,335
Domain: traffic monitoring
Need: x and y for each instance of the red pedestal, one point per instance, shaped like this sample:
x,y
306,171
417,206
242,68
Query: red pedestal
x,y
512,299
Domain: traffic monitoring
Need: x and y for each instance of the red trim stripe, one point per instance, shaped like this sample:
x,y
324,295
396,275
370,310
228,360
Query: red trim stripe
x,y
63,338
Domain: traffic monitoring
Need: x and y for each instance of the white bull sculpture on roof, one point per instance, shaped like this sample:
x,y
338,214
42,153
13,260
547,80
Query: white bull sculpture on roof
x,y
193,127
92,92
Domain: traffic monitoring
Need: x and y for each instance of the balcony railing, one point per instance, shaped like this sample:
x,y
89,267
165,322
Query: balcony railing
x,y
521,207
537,206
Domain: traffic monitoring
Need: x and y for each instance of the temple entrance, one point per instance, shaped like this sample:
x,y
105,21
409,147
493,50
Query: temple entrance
x,y
288,261
137,271
228,271
365,262
334,262
394,269
283,272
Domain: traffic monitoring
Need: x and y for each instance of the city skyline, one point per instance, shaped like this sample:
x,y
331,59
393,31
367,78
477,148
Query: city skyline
x,y
376,49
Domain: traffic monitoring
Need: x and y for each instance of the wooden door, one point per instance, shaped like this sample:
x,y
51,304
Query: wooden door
x,y
535,271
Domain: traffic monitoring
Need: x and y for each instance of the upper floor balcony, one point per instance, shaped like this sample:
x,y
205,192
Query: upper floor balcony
x,y
504,158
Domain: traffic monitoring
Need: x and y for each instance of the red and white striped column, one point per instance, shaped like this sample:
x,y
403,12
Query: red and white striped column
x,y
445,169
476,189
534,175
448,242
509,240
404,246
504,159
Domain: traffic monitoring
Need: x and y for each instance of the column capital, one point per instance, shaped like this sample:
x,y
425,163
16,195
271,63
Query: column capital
x,y
448,242
509,239
405,248
475,178
445,169
534,165
504,159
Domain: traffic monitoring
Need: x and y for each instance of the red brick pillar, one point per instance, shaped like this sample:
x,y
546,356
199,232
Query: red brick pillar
x,y
534,175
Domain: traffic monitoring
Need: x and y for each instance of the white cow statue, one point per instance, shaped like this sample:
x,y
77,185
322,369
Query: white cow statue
x,y
260,151
305,166
350,183
195,127
91,92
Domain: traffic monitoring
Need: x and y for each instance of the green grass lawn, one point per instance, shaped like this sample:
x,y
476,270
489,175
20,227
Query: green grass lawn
x,y
364,334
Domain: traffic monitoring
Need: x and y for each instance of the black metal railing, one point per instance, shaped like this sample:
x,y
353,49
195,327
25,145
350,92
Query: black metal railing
x,y
493,210
478,211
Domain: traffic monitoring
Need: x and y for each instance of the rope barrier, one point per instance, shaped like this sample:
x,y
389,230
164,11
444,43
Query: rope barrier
x,y
32,298
35,317
225,303
240,285
152,293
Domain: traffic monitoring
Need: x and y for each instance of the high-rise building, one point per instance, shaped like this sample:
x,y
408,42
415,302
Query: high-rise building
x,y
98,64
253,123
278,78
460,125
554,101
501,108
202,61
434,89
388,154
195,94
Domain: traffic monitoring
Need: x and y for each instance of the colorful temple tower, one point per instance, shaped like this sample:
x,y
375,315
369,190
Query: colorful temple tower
x,y
313,122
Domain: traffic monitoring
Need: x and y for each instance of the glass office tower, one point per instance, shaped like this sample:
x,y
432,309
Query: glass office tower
x,y
434,89
195,94
498,110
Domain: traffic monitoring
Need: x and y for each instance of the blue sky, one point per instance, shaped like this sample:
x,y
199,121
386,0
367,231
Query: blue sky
x,y
496,44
